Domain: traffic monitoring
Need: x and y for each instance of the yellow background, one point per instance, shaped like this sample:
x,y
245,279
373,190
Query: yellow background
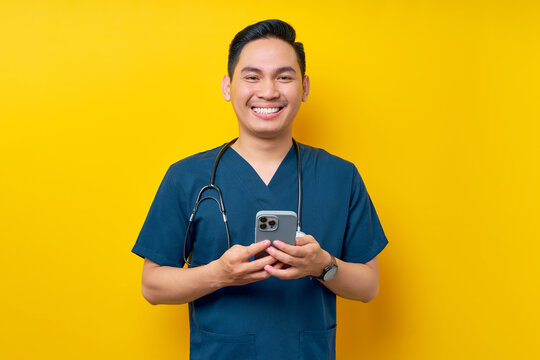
x,y
436,102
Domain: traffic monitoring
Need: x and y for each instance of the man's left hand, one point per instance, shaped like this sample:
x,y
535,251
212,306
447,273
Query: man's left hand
x,y
305,259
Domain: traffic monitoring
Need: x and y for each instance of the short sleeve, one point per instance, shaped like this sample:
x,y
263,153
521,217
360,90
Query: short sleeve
x,y
364,236
162,236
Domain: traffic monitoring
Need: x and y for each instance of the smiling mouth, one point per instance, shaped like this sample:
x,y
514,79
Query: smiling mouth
x,y
267,112
264,110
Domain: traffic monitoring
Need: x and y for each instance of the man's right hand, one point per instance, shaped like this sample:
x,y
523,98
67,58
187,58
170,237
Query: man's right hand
x,y
173,285
234,267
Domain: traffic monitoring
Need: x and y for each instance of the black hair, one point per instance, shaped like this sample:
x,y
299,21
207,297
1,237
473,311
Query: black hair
x,y
265,30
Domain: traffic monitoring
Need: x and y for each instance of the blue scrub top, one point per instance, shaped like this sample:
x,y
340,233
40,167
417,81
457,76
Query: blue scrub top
x,y
273,318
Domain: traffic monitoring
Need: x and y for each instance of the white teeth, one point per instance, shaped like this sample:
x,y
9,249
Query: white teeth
x,y
266,110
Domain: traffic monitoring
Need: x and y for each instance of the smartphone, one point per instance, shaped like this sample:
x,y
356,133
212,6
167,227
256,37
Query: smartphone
x,y
275,225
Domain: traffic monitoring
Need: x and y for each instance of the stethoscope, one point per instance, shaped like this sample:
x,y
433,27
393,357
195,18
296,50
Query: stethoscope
x,y
221,206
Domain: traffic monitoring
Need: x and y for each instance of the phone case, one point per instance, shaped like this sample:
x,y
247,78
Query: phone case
x,y
285,230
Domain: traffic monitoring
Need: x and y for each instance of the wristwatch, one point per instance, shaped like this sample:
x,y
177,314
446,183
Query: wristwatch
x,y
330,271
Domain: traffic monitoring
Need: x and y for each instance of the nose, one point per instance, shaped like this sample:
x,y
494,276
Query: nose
x,y
267,90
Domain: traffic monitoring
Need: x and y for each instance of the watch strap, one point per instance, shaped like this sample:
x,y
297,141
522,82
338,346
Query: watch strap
x,y
333,265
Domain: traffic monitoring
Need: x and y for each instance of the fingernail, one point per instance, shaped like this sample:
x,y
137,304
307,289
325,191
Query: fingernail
x,y
277,243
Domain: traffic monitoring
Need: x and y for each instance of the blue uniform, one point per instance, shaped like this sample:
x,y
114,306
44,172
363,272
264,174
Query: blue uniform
x,y
273,318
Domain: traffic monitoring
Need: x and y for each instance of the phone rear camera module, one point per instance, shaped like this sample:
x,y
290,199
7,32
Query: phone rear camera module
x,y
267,222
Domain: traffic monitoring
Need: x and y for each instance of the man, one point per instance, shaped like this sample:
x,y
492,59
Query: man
x,y
282,306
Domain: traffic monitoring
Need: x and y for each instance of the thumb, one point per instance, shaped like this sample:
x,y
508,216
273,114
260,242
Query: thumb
x,y
257,247
303,240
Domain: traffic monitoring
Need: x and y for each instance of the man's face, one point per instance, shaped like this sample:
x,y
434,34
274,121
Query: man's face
x,y
266,89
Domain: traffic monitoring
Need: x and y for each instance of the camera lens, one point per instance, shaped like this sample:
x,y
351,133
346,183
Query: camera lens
x,y
262,226
262,219
271,223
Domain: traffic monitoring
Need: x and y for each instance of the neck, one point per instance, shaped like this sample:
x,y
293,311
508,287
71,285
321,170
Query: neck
x,y
256,149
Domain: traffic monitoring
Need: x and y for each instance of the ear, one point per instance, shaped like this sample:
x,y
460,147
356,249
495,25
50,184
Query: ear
x,y
305,88
226,87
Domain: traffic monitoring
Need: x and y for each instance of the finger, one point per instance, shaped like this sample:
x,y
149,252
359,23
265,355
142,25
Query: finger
x,y
278,265
283,257
256,248
258,276
297,251
253,277
284,274
259,264
303,240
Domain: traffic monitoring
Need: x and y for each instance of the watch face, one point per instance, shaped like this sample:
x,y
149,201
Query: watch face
x,y
330,273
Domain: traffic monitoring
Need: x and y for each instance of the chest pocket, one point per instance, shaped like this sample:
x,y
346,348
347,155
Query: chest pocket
x,y
208,234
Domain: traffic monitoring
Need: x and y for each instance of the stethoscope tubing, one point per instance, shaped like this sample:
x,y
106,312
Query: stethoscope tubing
x,y
221,204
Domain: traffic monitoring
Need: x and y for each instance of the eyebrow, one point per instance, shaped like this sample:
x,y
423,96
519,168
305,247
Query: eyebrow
x,y
259,71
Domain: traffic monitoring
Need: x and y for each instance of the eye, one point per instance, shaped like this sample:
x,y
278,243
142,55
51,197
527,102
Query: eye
x,y
251,78
285,78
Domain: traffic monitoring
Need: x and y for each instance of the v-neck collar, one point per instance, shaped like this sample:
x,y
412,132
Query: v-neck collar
x,y
268,196
246,166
